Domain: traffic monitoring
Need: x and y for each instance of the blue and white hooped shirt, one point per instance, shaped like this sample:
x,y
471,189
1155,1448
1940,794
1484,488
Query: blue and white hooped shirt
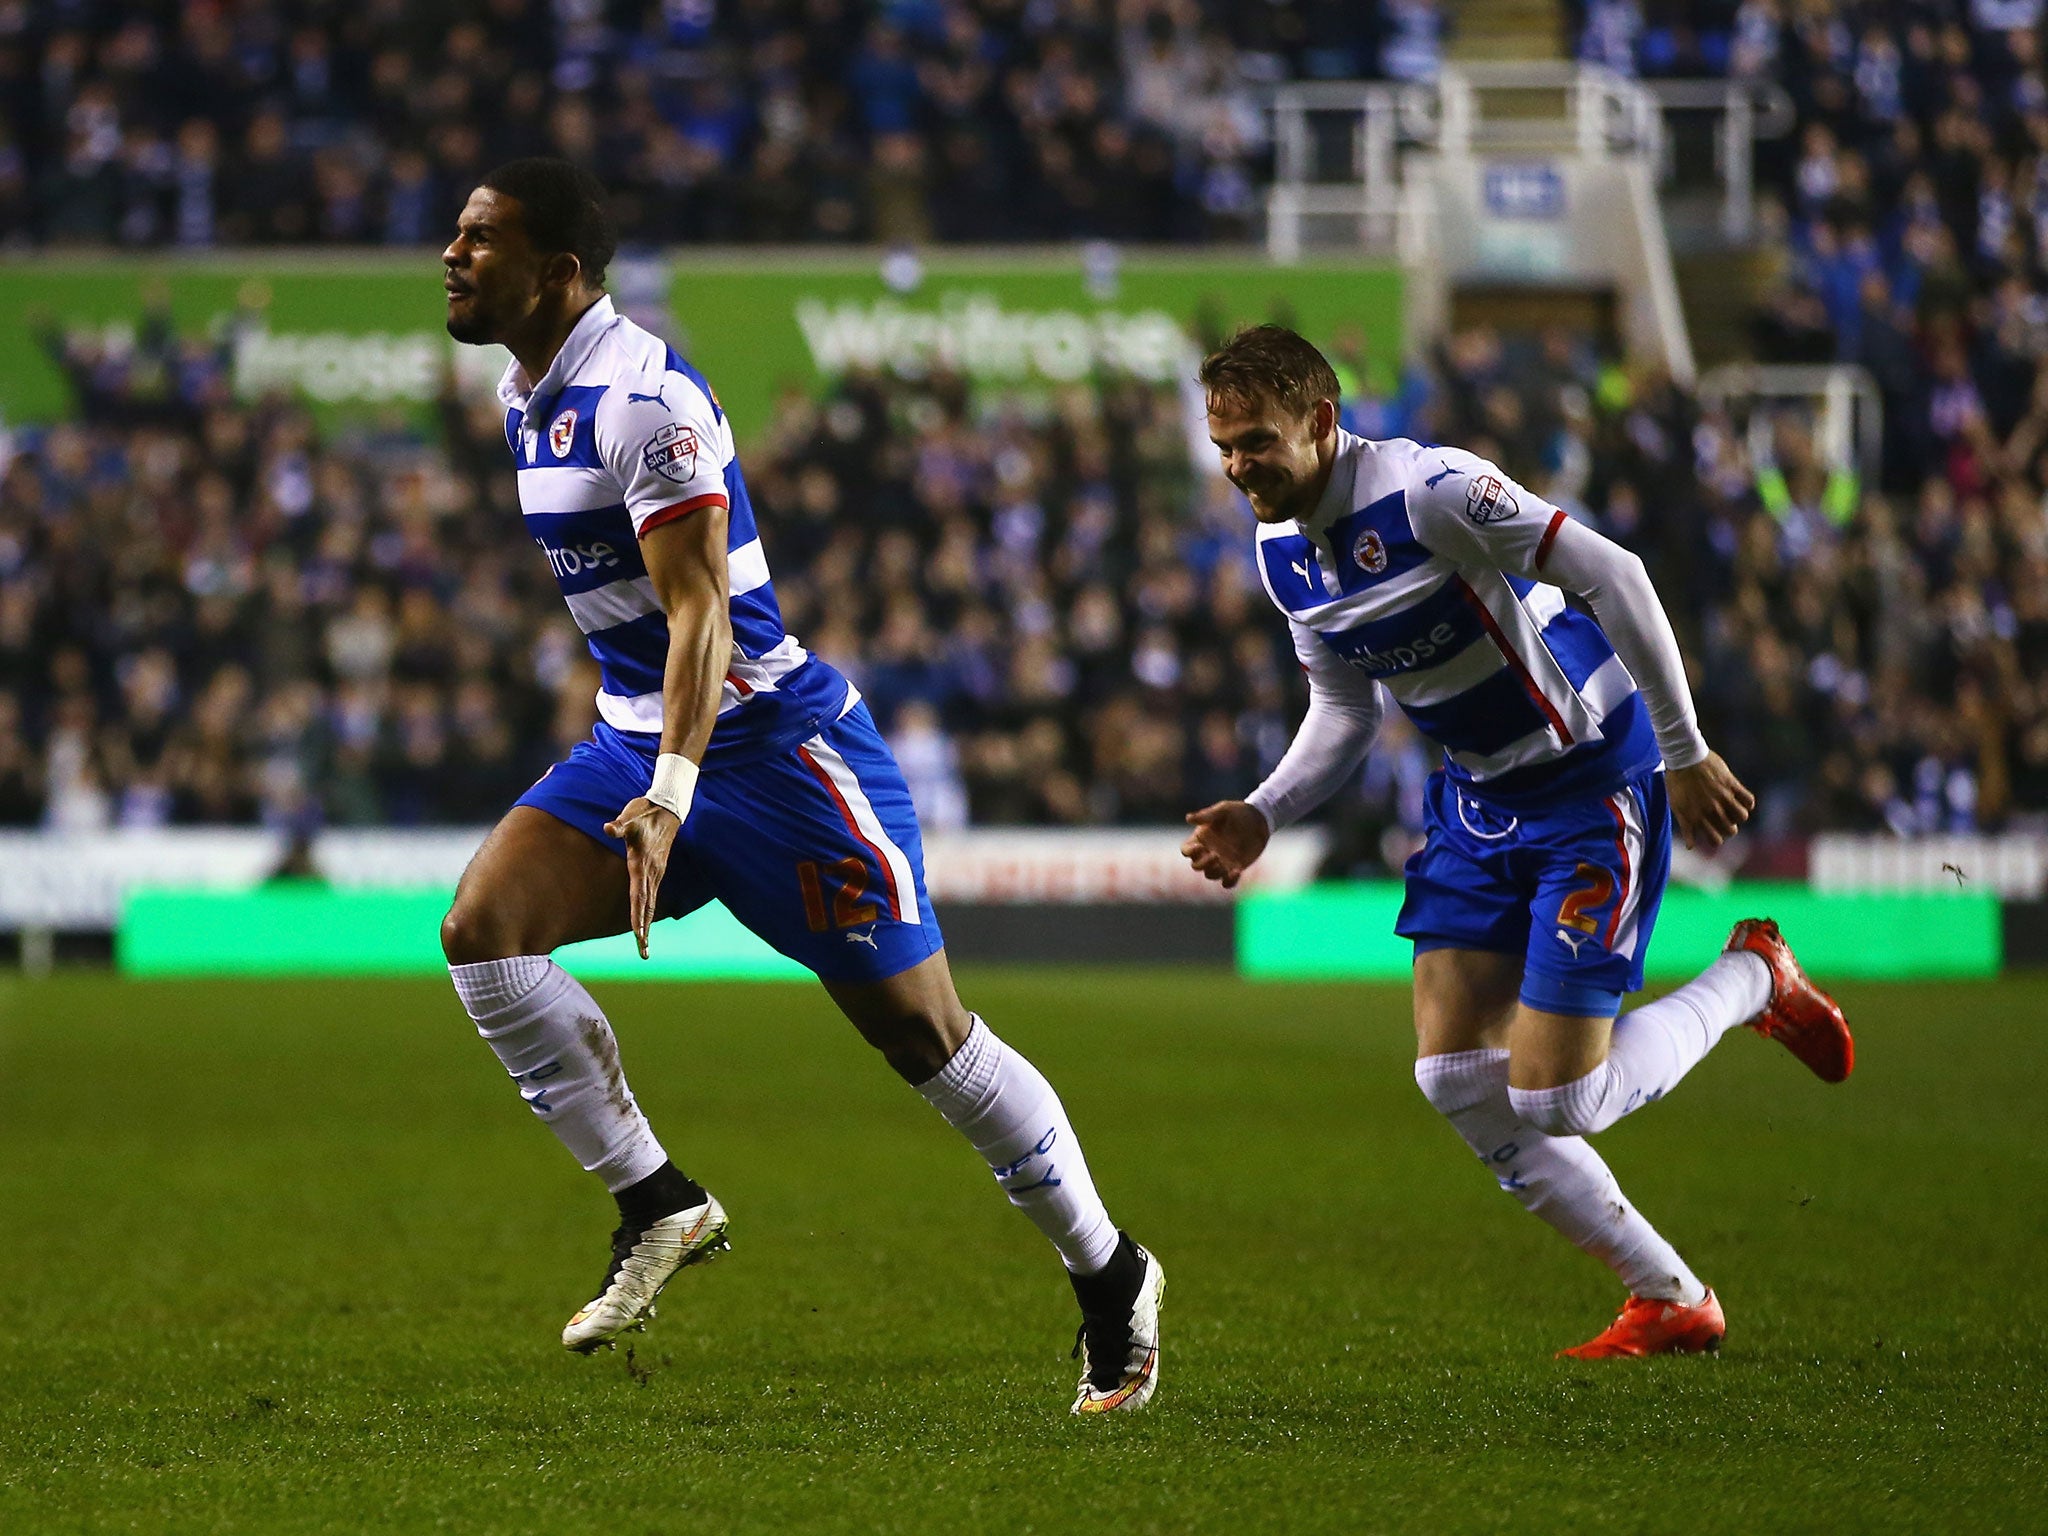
x,y
621,436
1419,569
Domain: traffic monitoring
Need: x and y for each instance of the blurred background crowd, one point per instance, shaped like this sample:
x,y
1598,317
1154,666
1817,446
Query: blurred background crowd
x,y
212,612
296,121
1893,635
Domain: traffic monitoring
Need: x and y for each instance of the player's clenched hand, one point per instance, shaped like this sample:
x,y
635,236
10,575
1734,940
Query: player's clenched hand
x,y
648,832
1229,836
1707,802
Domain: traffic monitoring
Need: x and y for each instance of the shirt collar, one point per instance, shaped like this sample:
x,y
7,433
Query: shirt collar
x,y
575,351
1338,495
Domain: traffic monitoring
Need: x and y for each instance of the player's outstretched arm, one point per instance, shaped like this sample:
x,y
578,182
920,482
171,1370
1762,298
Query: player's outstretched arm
x,y
1343,718
1708,803
686,562
1471,511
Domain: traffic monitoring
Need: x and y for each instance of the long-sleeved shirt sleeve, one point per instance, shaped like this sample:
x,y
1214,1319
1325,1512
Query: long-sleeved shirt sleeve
x,y
1344,708
1475,513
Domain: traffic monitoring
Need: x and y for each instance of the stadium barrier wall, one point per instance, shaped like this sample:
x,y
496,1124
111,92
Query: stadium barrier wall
x,y
2012,865
190,900
289,928
77,882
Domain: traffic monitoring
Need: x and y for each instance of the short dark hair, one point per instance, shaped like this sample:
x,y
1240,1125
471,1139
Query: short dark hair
x,y
562,208
1270,362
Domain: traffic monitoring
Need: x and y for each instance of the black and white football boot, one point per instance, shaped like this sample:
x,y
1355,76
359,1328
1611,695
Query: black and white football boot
x,y
644,1259
1118,1343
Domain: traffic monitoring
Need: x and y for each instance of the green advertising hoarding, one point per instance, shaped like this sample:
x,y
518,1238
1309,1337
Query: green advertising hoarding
x,y
363,333
1342,932
314,930
1346,931
1017,321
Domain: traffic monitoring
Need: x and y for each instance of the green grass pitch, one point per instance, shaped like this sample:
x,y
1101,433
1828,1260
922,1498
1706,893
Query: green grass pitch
x,y
292,1258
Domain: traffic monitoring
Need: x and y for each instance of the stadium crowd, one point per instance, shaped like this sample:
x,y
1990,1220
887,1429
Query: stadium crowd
x,y
1911,201
210,611
296,121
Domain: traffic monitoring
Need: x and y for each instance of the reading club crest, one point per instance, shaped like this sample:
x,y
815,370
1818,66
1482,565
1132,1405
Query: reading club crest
x,y
562,433
1370,551
1488,501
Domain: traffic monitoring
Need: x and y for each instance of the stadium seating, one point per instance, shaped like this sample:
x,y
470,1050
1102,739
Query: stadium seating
x,y
286,122
214,612
1882,646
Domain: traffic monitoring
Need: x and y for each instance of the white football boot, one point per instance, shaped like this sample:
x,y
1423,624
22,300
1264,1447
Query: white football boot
x,y
644,1259
1120,1351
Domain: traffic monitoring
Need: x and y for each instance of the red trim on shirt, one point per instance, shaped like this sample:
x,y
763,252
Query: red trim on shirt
x,y
1557,521
1514,661
681,508
739,684
846,811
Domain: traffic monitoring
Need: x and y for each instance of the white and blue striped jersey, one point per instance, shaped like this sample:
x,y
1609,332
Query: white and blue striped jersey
x,y
621,436
1421,569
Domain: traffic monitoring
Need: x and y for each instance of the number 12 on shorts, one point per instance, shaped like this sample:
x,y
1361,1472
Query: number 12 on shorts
x,y
849,879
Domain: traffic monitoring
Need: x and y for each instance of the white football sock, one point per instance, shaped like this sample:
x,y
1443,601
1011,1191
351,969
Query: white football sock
x,y
1653,1047
558,1047
1008,1111
1558,1178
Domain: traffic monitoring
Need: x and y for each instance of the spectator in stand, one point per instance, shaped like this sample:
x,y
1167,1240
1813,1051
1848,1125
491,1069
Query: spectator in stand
x,y
1412,46
1886,625
213,612
287,122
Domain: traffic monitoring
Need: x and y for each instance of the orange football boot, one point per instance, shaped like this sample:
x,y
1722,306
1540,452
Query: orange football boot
x,y
1799,1016
1648,1326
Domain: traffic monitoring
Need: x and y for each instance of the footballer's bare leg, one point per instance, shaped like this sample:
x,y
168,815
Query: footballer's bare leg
x,y
1012,1117
914,1018
1468,1020
538,883
535,885
1465,1000
1574,1076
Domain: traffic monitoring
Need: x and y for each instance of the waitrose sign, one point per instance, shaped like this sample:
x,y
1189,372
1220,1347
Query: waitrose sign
x,y
972,333
334,367
366,334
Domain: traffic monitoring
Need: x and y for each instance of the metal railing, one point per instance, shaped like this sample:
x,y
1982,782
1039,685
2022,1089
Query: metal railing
x,y
1843,400
1749,110
1471,109
1601,110
1367,190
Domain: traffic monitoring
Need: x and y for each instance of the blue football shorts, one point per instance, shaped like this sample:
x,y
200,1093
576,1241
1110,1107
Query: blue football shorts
x,y
816,849
1573,888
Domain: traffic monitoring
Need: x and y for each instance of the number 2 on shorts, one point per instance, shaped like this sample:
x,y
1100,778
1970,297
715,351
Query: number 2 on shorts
x,y
1597,887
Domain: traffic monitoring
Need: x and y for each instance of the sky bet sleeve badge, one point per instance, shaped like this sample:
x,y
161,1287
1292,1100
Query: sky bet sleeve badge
x,y
672,452
1488,501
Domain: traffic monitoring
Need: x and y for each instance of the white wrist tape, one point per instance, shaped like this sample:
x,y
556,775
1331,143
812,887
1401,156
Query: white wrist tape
x,y
675,784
